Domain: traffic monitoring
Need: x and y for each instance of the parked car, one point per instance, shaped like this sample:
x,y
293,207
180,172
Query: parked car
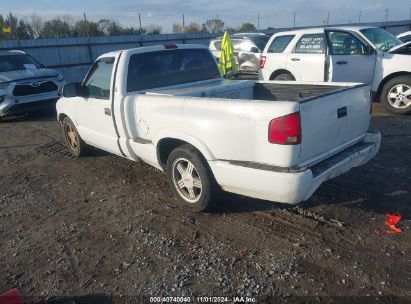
x,y
354,54
405,37
26,84
247,49
169,107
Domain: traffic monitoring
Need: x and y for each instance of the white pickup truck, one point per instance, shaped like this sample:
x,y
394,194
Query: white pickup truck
x,y
169,107
355,54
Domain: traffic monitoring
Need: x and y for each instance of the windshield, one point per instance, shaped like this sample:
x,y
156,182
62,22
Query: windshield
x,y
17,62
381,38
260,41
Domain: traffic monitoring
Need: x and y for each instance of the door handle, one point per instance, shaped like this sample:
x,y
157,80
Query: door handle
x,y
342,62
295,59
107,111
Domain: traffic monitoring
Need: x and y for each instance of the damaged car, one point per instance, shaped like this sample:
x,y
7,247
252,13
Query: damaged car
x,y
26,84
247,49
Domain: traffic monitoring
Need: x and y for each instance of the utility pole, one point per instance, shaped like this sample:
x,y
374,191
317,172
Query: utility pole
x,y
386,14
86,24
258,21
328,18
139,20
294,20
359,18
184,25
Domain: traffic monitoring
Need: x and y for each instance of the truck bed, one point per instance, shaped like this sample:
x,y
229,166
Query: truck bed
x,y
250,89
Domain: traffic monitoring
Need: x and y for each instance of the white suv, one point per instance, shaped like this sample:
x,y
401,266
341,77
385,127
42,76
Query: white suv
x,y
343,54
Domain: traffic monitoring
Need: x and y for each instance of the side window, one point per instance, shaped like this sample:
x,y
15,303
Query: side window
x,y
280,43
98,81
406,38
342,43
311,44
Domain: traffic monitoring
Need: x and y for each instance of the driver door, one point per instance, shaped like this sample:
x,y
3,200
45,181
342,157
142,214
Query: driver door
x,y
95,120
348,59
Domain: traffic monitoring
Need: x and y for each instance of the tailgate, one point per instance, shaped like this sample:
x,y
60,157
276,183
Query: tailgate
x,y
333,121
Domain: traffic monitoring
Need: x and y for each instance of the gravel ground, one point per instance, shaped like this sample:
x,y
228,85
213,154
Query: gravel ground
x,y
102,229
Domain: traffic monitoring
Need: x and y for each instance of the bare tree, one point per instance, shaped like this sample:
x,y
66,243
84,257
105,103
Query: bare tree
x,y
177,28
247,27
37,24
193,28
153,29
56,28
214,25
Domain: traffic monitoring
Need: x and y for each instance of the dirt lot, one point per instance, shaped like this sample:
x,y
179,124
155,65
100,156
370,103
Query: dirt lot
x,y
109,228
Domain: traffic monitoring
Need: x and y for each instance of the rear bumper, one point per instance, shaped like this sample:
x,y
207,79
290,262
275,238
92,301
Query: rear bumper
x,y
292,185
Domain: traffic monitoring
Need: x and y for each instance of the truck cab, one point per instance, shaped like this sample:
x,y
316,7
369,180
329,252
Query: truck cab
x,y
343,54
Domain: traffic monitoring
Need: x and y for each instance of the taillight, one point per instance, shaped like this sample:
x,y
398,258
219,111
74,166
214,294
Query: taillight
x,y
262,61
285,130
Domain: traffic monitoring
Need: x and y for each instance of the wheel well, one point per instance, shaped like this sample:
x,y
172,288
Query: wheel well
x,y
61,117
278,72
388,78
166,145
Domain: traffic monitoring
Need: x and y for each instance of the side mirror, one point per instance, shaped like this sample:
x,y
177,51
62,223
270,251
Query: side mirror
x,y
368,50
254,50
72,90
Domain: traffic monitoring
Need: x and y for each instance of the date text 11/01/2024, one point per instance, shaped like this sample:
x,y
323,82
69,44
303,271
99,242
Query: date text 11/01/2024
x,y
205,299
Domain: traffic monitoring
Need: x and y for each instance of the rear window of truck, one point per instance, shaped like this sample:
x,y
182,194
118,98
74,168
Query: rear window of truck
x,y
170,67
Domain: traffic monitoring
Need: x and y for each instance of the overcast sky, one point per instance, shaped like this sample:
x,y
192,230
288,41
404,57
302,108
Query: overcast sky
x,y
277,13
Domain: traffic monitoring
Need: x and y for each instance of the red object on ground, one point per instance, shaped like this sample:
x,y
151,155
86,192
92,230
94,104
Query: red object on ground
x,y
11,297
392,221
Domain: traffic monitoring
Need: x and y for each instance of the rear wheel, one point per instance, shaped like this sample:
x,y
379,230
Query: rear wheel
x,y
284,77
72,139
396,95
191,179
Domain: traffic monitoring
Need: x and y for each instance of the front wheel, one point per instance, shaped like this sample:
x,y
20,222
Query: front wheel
x,y
396,95
191,179
72,139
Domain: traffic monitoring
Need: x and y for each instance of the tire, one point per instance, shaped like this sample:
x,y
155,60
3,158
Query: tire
x,y
197,190
284,77
393,98
73,140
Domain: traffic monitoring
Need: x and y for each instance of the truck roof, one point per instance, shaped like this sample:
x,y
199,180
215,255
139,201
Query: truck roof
x,y
319,29
154,48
